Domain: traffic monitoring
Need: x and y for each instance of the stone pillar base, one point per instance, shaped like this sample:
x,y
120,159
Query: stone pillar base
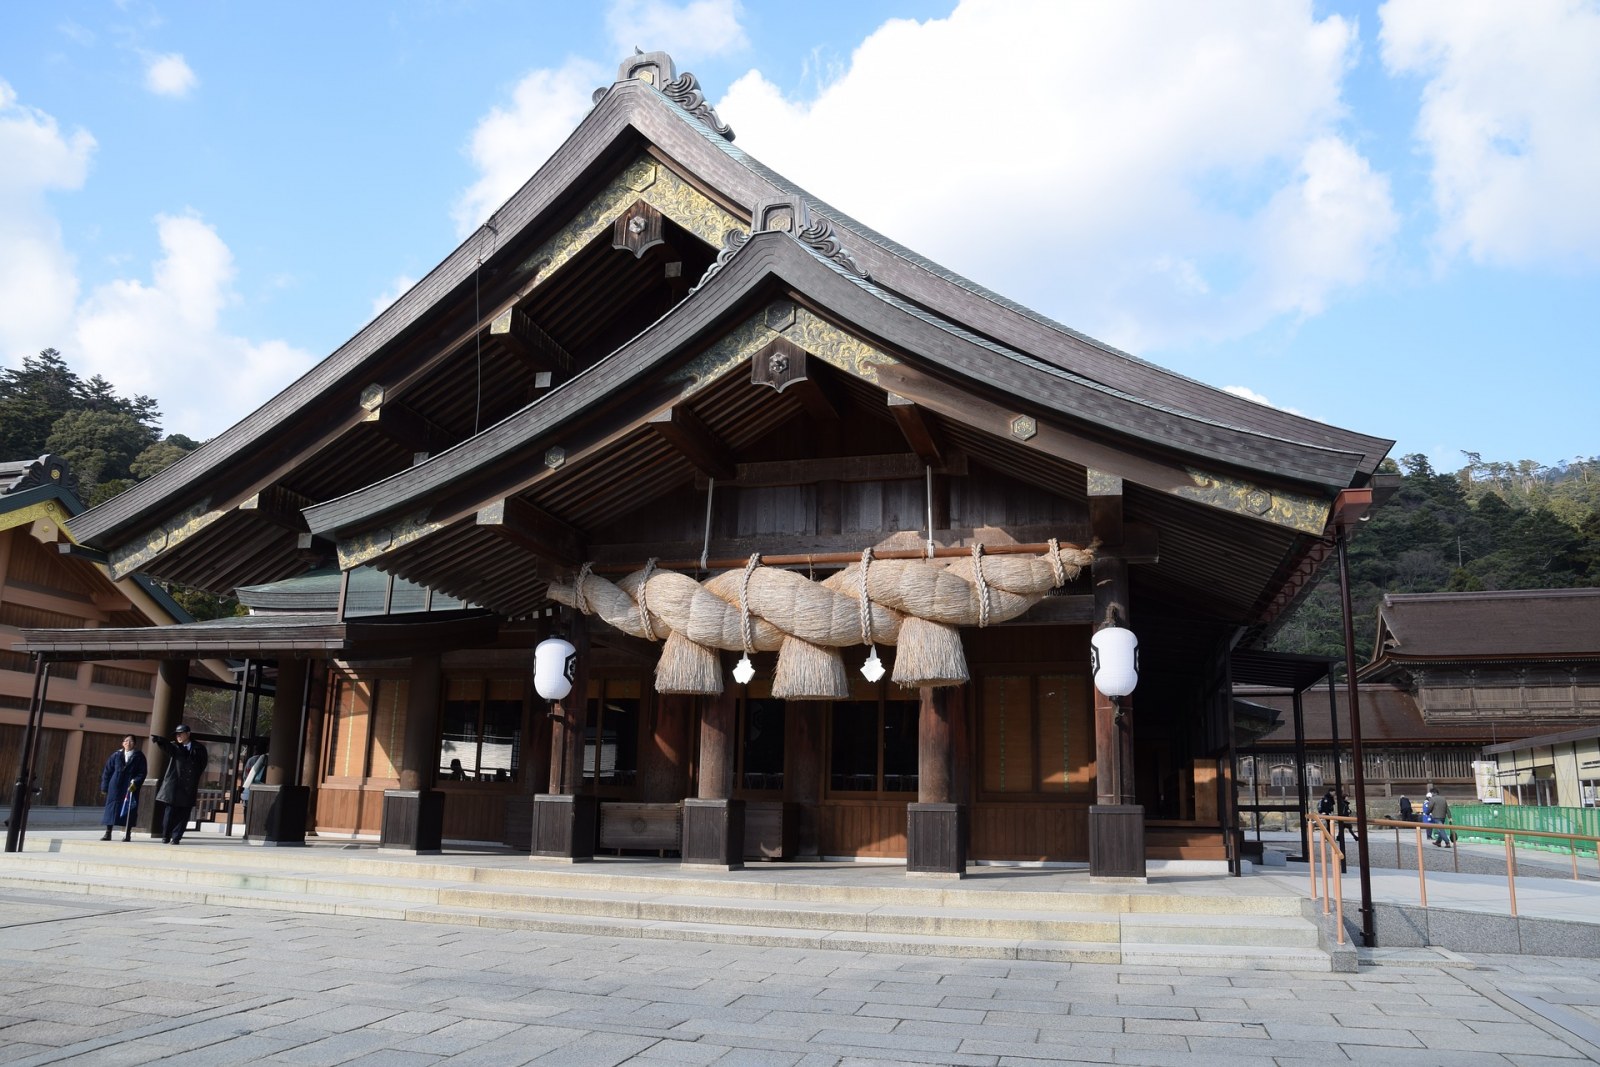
x,y
1116,842
276,815
936,840
713,834
413,820
564,826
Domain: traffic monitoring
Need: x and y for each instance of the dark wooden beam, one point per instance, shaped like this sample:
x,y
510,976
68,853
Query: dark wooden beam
x,y
1105,506
533,529
681,428
523,338
918,430
279,506
315,550
402,424
841,469
820,397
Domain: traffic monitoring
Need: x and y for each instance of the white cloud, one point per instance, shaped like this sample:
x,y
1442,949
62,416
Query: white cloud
x,y
167,339
38,283
510,143
1250,394
169,75
698,28
1511,118
1153,173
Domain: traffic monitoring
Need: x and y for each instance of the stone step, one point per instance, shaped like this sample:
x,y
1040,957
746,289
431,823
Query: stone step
x,y
759,882
877,921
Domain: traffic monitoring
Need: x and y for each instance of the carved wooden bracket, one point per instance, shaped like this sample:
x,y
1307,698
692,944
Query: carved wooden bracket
x,y
637,229
779,363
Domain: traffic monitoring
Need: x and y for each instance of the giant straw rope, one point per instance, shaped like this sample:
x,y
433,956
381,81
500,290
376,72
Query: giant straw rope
x,y
915,604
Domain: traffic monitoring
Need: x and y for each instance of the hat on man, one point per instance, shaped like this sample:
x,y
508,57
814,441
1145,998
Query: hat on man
x,y
181,729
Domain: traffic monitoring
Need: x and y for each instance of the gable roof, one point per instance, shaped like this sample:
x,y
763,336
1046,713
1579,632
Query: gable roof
x,y
1494,625
226,515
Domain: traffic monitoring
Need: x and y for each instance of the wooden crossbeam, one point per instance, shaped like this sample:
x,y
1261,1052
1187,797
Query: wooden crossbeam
x,y
534,529
515,329
403,424
898,467
917,428
279,506
680,427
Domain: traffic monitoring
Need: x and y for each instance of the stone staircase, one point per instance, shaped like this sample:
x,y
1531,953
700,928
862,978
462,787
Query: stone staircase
x,y
781,905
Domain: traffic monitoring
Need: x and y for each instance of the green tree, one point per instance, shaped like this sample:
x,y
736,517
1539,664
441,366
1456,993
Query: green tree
x,y
100,445
31,400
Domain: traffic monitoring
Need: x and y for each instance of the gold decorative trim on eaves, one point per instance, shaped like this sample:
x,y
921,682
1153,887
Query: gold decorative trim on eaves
x,y
367,547
1308,514
782,318
44,509
134,555
647,180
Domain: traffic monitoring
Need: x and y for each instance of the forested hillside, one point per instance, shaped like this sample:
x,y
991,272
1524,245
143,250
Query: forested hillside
x,y
1489,525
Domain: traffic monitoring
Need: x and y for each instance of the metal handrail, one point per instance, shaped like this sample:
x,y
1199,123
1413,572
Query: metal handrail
x,y
1324,828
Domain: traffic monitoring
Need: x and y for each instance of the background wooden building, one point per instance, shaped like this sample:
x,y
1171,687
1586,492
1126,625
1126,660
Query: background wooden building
x,y
89,706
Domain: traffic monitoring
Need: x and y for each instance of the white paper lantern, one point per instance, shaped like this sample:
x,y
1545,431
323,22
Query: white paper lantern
x,y
555,663
1115,654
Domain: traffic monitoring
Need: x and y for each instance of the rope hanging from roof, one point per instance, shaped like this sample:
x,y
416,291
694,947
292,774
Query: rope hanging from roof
x,y
916,604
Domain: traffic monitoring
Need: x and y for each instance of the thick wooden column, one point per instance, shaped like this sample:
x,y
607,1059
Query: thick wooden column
x,y
935,841
804,766
166,712
664,763
565,820
276,811
713,822
413,815
1116,822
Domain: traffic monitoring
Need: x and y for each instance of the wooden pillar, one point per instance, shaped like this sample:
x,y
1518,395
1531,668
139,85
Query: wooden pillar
x,y
565,819
663,765
1116,822
713,822
166,712
276,811
413,815
935,837
805,763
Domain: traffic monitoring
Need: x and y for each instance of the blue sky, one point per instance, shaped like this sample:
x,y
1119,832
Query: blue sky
x,y
1381,215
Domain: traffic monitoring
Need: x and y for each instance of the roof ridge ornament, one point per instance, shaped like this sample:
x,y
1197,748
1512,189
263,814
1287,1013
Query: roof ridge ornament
x,y
790,215
658,70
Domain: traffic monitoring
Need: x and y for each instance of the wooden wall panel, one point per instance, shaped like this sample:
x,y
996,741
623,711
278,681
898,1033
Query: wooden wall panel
x,y
475,814
862,828
349,809
1058,832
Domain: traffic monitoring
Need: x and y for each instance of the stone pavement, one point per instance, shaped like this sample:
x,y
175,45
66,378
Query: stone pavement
x,y
109,981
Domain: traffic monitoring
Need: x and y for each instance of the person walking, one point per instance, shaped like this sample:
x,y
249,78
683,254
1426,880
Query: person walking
x,y
180,782
120,781
1441,814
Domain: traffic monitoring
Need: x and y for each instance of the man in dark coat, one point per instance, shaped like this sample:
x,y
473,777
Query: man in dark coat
x,y
186,762
120,781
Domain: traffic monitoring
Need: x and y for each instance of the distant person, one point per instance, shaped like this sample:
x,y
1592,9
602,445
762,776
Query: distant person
x,y
180,782
255,772
120,781
1441,814
1344,810
1407,812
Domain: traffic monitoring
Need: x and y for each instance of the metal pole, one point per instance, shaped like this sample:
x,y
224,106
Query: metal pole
x,y
235,724
1369,936
16,826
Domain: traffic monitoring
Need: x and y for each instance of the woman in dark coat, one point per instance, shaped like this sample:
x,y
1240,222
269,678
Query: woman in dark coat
x,y
120,780
186,762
